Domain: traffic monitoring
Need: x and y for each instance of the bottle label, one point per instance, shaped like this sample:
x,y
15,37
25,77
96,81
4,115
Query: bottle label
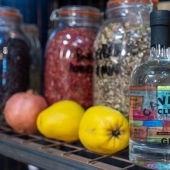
x,y
149,115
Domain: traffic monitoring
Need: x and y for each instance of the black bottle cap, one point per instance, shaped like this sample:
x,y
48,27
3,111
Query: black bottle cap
x,y
160,27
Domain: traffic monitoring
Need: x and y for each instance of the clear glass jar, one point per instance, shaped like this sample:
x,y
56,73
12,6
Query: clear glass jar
x,y
121,44
14,55
36,63
69,55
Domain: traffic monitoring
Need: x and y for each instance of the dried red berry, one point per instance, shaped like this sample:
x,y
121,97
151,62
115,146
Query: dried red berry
x,y
69,66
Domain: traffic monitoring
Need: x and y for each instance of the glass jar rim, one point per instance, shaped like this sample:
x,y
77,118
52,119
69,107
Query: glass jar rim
x,y
30,28
69,12
113,3
10,12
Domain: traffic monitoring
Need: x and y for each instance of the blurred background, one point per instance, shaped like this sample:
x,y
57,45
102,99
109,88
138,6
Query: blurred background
x,y
37,12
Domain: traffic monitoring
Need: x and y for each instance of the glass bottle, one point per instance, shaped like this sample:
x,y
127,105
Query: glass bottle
x,y
122,43
36,63
14,55
69,60
149,114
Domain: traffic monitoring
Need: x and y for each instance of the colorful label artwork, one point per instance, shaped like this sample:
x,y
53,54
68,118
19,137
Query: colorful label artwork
x,y
150,114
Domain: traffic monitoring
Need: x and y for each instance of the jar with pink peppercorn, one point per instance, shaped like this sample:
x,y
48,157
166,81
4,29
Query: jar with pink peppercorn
x,y
69,55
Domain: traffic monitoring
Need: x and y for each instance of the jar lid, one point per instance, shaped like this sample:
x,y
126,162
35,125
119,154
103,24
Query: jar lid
x,y
9,11
112,3
68,12
30,28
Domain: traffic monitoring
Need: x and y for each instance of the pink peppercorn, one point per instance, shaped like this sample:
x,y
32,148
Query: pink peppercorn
x,y
69,66
69,55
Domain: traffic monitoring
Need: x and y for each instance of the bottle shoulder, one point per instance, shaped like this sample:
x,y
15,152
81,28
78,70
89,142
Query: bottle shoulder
x,y
155,72
153,63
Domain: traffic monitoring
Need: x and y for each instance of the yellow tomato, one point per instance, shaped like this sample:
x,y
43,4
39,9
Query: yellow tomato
x,y
104,130
61,121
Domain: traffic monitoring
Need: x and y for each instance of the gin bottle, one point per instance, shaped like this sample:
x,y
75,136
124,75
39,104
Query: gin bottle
x,y
149,114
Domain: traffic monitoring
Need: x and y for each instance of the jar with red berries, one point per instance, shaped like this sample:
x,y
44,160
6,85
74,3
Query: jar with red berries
x,y
69,55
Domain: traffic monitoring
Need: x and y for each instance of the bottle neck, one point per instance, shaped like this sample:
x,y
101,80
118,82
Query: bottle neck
x,y
159,51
